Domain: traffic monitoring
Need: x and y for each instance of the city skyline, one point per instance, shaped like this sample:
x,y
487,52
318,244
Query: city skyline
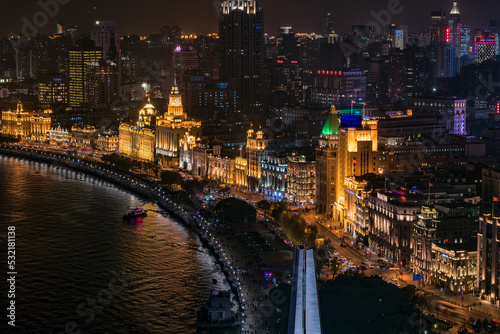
x,y
340,174
203,17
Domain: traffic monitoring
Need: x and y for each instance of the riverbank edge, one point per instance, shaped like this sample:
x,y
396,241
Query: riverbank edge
x,y
79,165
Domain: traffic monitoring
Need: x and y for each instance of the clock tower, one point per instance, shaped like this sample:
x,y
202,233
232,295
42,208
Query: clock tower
x,y
172,127
175,108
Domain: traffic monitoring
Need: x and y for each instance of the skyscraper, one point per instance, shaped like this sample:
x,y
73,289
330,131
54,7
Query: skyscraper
x,y
453,32
102,82
77,69
106,36
357,155
438,23
484,46
242,57
328,21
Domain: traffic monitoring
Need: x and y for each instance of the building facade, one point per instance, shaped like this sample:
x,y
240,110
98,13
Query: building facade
x,y
25,125
488,258
138,140
392,216
326,165
78,76
301,179
241,34
171,128
357,155
256,147
274,177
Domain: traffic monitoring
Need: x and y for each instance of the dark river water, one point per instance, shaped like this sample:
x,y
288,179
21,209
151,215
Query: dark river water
x,y
82,269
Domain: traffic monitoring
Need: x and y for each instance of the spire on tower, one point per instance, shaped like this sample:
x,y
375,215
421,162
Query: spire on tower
x,y
454,10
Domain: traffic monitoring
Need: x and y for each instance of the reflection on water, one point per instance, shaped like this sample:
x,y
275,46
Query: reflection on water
x,y
75,251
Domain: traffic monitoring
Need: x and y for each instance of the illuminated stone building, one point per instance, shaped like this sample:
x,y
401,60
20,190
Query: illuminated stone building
x,y
358,213
193,155
424,234
241,172
186,145
39,126
274,176
25,125
58,135
16,123
200,161
257,143
392,216
171,127
326,164
453,268
301,175
220,168
138,141
108,141
357,155
444,245
488,258
83,136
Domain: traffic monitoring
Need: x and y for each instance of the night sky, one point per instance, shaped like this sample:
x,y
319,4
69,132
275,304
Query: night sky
x,y
199,16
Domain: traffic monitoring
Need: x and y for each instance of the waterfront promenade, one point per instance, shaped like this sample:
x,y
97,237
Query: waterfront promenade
x,y
240,261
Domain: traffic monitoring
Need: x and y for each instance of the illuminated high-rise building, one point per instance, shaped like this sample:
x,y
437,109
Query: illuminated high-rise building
x,y
241,35
326,164
357,155
453,32
465,41
53,89
484,46
102,82
77,70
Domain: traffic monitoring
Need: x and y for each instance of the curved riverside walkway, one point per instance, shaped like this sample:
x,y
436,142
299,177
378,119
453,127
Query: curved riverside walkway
x,y
248,289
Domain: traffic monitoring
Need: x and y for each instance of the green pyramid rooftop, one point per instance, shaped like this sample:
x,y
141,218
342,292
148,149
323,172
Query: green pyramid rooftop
x,y
331,126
